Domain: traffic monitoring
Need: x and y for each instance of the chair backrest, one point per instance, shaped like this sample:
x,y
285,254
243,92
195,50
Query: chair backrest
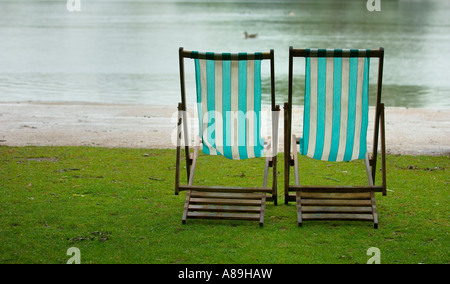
x,y
229,102
335,118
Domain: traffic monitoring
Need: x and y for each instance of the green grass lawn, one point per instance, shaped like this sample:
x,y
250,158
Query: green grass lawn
x,y
119,206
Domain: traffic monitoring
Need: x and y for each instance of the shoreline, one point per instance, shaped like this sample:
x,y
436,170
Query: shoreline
x,y
409,131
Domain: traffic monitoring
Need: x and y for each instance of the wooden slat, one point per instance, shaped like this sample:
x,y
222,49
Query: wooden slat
x,y
228,216
335,202
334,189
225,201
290,196
232,56
304,53
225,189
226,195
337,216
310,195
224,208
336,209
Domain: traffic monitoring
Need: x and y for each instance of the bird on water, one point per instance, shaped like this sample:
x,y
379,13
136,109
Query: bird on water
x,y
249,35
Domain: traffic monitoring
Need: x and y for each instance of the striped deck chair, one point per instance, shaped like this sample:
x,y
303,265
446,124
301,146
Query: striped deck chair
x,y
229,113
335,127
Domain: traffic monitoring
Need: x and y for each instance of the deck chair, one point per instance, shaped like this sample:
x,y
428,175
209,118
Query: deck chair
x,y
229,113
335,126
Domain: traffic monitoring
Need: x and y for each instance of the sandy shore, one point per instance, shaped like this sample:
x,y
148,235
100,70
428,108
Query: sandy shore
x,y
408,131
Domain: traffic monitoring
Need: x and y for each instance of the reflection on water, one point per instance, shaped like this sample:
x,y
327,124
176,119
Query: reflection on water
x,y
127,51
94,87
412,96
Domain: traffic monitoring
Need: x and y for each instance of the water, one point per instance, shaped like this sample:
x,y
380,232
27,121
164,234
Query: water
x,y
127,51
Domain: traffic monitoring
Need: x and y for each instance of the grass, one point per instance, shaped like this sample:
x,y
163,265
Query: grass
x,y
118,206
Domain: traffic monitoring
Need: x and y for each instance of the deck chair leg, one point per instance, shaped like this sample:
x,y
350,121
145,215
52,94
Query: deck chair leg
x,y
275,120
299,208
298,196
191,181
383,150
274,181
186,207
263,208
374,210
295,154
194,161
271,162
372,194
368,170
177,165
266,171
287,152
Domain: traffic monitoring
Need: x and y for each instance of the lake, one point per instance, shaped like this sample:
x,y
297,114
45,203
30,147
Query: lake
x,y
127,51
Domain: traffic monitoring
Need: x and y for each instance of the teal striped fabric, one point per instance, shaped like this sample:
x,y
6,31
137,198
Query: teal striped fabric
x,y
336,105
229,104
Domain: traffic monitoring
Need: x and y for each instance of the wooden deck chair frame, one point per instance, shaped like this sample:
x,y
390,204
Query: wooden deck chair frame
x,y
222,202
330,202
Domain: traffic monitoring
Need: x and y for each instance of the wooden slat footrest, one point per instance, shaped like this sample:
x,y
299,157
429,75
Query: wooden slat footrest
x,y
337,216
358,206
227,216
225,205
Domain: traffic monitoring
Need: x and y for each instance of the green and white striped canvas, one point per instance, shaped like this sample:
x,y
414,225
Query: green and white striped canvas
x,y
229,104
336,105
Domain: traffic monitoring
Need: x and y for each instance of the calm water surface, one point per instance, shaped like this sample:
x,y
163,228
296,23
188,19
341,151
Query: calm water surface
x,y
127,51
